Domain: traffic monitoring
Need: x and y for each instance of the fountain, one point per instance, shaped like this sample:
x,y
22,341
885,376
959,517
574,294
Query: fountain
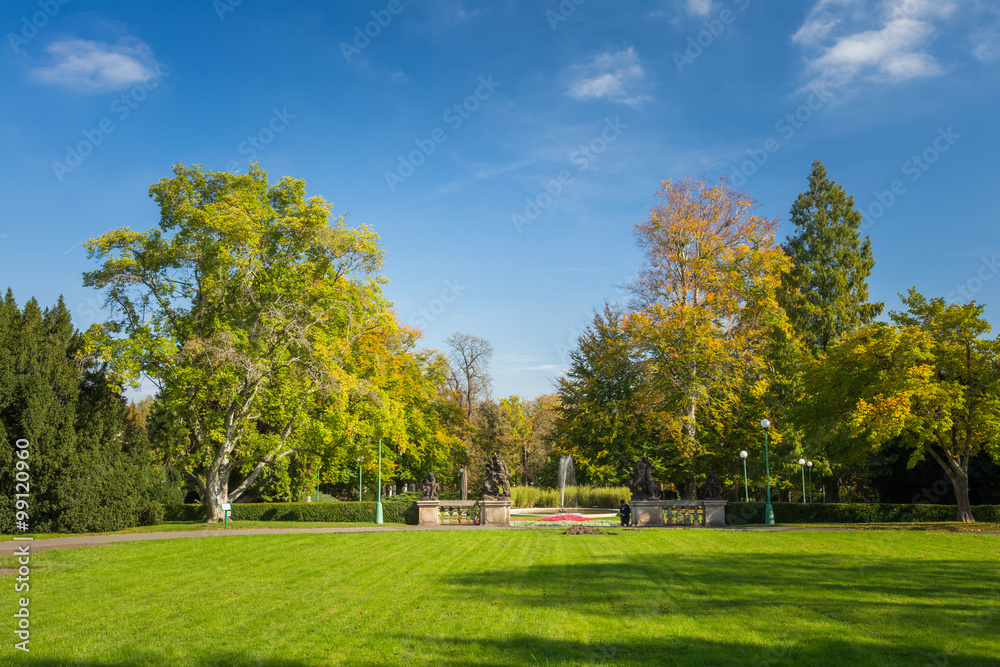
x,y
567,477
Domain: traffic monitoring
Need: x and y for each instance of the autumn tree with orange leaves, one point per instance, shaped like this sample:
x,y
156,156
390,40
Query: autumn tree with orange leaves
x,y
704,308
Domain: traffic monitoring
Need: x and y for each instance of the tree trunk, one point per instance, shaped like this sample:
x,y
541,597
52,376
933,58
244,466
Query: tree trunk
x,y
690,487
964,513
216,492
832,487
958,474
735,493
524,465
689,438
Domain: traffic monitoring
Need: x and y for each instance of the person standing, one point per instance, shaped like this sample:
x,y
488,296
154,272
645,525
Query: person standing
x,y
624,512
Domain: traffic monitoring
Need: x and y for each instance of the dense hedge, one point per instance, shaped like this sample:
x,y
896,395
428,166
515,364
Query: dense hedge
x,y
743,513
576,496
351,512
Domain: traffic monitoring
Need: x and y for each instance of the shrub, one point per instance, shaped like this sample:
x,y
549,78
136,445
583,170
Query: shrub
x,y
575,496
525,496
349,512
548,498
753,513
601,496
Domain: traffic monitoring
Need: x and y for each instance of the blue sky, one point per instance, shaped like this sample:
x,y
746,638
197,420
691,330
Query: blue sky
x,y
504,150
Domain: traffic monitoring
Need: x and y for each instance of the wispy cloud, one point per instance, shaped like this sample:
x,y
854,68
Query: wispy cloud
x,y
618,77
542,368
699,7
95,67
986,44
889,45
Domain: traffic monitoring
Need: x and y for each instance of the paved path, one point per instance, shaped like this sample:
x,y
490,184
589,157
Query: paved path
x,y
8,548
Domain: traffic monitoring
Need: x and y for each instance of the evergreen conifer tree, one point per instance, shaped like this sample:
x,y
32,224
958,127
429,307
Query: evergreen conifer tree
x,y
826,292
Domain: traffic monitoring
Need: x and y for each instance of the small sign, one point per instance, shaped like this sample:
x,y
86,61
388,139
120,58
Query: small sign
x,y
227,507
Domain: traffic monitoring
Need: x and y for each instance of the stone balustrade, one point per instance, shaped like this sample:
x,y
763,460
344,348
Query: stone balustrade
x,y
464,512
460,512
678,513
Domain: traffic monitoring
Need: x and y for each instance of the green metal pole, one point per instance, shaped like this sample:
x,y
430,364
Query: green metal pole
x,y
803,468
810,484
359,480
768,508
378,503
746,490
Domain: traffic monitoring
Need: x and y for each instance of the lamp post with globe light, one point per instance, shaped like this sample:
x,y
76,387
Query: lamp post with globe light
x,y
768,508
810,464
360,459
746,489
378,498
802,467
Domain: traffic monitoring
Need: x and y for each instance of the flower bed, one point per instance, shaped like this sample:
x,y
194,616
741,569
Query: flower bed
x,y
564,517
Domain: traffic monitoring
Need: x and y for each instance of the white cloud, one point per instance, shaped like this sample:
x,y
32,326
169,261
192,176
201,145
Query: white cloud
x,y
986,44
699,7
94,67
542,368
618,77
891,45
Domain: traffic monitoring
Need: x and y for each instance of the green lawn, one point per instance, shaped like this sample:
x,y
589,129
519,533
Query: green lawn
x,y
174,526
531,596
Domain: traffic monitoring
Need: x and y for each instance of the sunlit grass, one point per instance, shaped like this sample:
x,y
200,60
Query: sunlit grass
x,y
488,597
174,526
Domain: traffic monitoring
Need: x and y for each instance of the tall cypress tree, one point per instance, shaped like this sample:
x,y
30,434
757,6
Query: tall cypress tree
x,y
89,468
826,292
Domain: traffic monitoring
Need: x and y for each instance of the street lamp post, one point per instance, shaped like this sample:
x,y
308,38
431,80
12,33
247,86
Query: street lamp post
x,y
378,501
802,467
318,470
746,490
810,464
768,508
360,459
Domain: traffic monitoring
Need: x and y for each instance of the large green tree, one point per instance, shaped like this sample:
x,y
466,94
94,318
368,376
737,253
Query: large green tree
x,y
526,437
706,307
247,306
930,383
600,422
825,293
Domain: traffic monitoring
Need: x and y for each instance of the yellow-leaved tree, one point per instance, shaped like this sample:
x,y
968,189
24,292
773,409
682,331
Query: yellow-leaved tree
x,y
704,308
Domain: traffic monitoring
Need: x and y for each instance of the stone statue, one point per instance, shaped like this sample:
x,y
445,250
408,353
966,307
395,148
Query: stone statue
x,y
497,484
641,481
429,487
712,488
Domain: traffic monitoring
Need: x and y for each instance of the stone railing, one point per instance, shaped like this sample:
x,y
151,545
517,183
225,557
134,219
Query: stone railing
x,y
684,512
459,512
679,513
464,512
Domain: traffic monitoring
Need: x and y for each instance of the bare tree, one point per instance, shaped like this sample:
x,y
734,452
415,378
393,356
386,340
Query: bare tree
x,y
469,374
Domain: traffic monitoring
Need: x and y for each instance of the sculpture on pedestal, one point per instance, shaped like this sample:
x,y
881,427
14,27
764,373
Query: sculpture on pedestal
x,y
641,481
712,488
497,484
429,488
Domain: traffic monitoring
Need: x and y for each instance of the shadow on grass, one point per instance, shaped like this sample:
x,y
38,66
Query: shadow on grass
x,y
724,582
844,606
529,650
215,660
